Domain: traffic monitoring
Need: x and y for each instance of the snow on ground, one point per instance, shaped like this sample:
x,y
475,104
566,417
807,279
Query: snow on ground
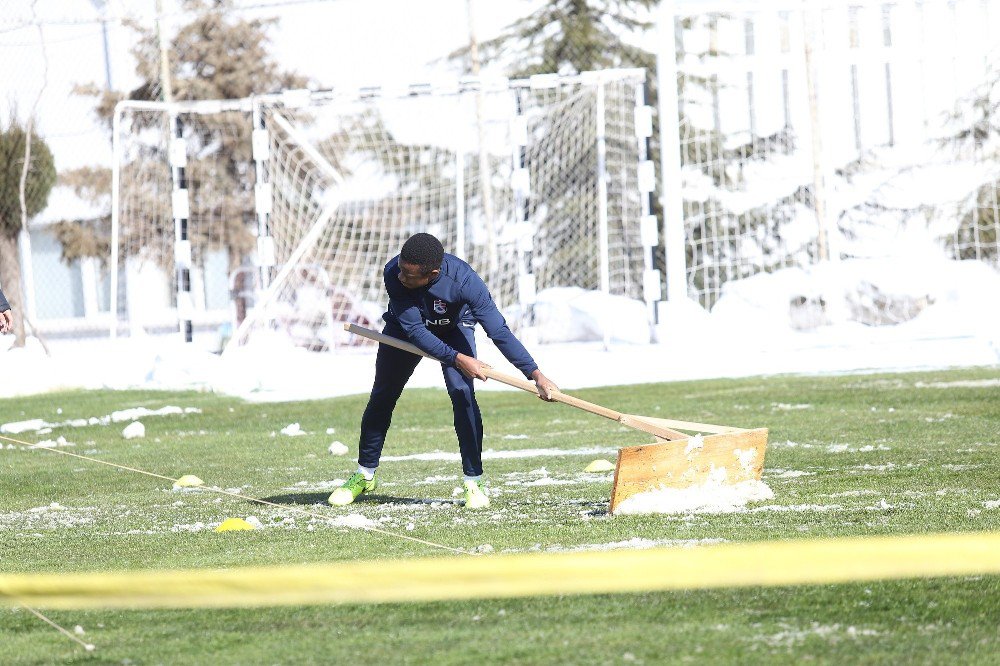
x,y
635,543
822,319
41,426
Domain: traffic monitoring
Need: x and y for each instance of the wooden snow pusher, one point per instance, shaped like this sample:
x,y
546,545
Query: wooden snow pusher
x,y
724,455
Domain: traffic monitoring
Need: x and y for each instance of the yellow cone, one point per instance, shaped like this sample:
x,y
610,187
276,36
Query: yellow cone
x,y
600,466
188,481
233,525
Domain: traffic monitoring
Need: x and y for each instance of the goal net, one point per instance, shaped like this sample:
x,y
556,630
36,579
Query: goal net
x,y
535,183
182,213
274,215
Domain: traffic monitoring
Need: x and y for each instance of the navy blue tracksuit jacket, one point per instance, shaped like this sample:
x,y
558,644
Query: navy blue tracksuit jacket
x,y
440,318
4,305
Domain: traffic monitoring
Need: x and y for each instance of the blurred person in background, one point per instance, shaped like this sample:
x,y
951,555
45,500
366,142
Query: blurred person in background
x,y
6,321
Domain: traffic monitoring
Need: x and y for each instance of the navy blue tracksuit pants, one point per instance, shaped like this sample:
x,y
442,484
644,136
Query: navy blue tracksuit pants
x,y
393,368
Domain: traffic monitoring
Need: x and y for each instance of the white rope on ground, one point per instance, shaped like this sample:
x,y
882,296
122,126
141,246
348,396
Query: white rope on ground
x,y
245,497
24,225
89,647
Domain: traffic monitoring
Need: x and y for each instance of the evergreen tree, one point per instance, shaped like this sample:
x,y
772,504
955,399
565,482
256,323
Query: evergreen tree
x,y
218,55
978,136
40,178
571,36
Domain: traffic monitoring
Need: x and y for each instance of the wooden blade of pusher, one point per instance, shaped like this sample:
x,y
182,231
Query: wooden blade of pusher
x,y
525,385
682,465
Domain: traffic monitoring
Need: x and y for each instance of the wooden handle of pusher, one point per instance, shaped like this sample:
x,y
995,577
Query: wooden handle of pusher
x,y
516,382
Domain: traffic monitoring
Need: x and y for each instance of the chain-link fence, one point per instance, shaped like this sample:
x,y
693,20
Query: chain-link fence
x,y
834,130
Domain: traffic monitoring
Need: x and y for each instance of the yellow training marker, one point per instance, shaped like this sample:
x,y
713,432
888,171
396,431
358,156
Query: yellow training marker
x,y
600,466
233,525
188,481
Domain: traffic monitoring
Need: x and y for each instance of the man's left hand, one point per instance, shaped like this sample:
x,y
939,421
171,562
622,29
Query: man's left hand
x,y
544,385
6,320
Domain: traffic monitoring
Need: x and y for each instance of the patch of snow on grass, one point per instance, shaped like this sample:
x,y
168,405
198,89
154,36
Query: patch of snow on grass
x,y
789,444
788,473
114,417
636,543
316,485
778,508
964,383
139,412
791,636
50,444
194,527
355,520
49,517
435,479
293,430
549,481
853,493
17,427
876,468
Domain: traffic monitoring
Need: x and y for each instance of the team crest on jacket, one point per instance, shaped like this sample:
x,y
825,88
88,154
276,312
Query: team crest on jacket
x,y
440,306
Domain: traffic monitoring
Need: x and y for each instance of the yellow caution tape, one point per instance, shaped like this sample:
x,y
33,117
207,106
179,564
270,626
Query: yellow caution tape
x,y
520,575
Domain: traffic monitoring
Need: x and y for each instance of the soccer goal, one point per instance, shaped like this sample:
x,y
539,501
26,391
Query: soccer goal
x,y
538,183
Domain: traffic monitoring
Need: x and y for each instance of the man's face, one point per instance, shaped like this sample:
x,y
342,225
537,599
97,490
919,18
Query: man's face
x,y
412,277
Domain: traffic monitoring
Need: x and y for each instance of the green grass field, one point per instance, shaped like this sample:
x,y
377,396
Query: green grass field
x,y
848,456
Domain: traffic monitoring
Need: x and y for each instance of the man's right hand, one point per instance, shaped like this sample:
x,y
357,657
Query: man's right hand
x,y
6,319
470,367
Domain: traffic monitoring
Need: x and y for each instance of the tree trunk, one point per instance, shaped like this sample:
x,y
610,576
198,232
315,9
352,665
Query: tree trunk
x,y
10,282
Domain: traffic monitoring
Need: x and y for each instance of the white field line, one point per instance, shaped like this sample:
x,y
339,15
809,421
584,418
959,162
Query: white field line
x,y
507,455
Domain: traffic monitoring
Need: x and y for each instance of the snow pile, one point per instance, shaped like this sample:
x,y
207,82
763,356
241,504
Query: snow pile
x,y
572,314
293,430
134,430
847,316
713,496
337,448
926,295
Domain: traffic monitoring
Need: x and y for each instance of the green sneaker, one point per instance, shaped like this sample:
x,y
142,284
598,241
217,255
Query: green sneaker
x,y
475,498
349,492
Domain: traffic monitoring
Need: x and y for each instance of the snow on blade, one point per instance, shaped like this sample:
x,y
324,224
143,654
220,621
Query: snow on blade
x,y
710,497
